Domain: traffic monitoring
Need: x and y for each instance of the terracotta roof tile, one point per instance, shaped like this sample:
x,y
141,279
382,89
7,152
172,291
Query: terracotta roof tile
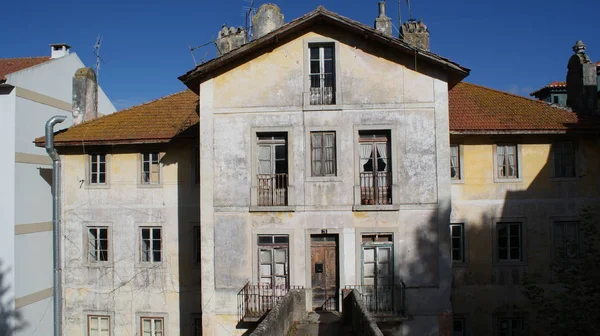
x,y
157,121
475,108
10,65
553,85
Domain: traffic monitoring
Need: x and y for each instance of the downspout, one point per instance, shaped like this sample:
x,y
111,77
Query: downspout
x,y
56,290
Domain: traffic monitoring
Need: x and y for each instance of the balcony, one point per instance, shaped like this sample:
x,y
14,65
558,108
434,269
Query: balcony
x,y
272,189
382,302
376,188
254,301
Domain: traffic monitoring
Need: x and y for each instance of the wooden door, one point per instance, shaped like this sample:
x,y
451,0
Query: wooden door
x,y
324,264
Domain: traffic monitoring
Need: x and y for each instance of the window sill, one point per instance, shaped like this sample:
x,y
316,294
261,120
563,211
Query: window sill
x,y
459,264
508,180
285,208
99,264
509,264
97,186
324,179
333,107
564,179
461,181
149,186
386,207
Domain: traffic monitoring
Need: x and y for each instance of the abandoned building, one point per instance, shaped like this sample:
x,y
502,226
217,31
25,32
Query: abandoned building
x,y
321,165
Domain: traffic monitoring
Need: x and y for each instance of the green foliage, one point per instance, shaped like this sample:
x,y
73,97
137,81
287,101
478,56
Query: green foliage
x,y
572,306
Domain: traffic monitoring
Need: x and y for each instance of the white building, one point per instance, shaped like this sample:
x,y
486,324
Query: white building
x,y
31,91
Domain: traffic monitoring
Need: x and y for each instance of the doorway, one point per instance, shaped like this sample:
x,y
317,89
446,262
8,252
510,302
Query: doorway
x,y
324,272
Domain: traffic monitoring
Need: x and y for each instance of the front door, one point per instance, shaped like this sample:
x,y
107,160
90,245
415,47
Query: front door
x,y
324,264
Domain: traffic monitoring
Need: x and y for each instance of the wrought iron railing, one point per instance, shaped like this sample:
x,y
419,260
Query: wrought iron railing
x,y
382,300
375,188
256,300
272,189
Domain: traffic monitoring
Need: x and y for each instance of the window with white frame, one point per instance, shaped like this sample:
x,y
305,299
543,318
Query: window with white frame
x,y
97,168
97,238
150,168
455,172
272,175
564,159
457,241
507,161
98,325
458,327
566,239
377,259
151,244
152,326
375,170
510,326
322,73
323,156
509,241
197,250
273,258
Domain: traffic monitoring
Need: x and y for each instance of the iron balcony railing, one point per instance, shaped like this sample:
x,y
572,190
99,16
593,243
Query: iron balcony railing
x,y
386,300
256,300
375,188
272,189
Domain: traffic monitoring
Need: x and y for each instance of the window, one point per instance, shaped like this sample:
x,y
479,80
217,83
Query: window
x,y
455,172
197,251
97,244
151,244
98,325
507,161
458,327
322,74
150,168
555,99
272,174
273,260
196,165
509,237
152,326
510,327
377,255
323,158
197,326
457,242
564,159
97,168
566,239
375,167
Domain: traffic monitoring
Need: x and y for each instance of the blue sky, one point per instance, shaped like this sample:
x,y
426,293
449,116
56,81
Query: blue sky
x,y
511,45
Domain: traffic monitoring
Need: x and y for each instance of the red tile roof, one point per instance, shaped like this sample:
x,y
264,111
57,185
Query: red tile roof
x,y
553,85
10,65
477,109
157,121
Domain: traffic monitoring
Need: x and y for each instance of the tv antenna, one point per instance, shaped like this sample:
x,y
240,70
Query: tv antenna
x,y
97,54
192,49
248,12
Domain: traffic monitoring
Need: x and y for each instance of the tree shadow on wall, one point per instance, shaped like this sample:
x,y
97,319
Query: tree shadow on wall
x,y
10,319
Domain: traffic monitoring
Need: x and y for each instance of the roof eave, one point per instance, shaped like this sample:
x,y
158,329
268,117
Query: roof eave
x,y
519,132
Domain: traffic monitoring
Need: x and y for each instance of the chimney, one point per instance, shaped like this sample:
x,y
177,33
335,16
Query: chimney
x,y
268,17
415,33
383,23
58,50
85,96
229,39
582,81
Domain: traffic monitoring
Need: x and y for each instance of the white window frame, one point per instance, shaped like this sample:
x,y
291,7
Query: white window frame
x,y
322,150
142,160
152,240
463,244
97,228
315,41
459,148
376,245
522,242
153,331
519,164
510,318
97,172
273,246
575,161
99,318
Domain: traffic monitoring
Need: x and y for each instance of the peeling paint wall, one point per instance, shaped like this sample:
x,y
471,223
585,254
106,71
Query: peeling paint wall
x,y
124,288
379,89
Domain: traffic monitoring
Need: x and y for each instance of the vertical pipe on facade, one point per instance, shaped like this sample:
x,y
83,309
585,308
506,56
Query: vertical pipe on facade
x,y
57,291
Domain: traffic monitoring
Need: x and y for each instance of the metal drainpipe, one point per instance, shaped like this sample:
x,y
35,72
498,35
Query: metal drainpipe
x,y
56,291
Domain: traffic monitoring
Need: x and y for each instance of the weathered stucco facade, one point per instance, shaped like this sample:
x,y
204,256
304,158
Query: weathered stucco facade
x,y
377,89
124,288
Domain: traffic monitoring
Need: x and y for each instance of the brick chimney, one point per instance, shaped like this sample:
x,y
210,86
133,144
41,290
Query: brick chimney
x,y
582,81
85,95
268,17
58,50
383,23
229,39
415,33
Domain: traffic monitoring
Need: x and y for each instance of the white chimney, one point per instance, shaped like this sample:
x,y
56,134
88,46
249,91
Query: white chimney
x,y
59,50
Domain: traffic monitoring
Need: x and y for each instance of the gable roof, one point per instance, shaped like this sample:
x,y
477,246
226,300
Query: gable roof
x,y
476,109
194,77
10,65
556,85
158,121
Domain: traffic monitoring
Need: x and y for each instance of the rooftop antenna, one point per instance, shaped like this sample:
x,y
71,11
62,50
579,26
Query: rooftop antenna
x,y
409,11
192,49
248,12
97,54
399,16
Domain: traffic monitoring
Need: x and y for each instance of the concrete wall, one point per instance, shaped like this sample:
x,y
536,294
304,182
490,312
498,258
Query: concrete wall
x,y
378,90
292,308
484,288
124,288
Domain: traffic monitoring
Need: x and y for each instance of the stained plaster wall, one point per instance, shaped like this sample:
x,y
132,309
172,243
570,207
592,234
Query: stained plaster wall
x,y
379,91
482,287
124,288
